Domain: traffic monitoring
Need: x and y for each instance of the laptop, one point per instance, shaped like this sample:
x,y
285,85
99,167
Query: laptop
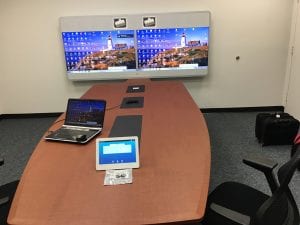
x,y
84,120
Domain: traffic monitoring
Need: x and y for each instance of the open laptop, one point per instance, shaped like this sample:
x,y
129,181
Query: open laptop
x,y
84,120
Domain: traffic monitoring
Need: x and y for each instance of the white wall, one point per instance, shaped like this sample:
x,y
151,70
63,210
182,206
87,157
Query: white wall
x,y
32,64
292,93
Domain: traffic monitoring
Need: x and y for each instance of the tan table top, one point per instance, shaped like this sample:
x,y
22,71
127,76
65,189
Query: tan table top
x,y
61,186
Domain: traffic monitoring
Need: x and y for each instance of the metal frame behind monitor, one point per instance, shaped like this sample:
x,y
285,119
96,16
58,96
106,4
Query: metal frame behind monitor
x,y
136,22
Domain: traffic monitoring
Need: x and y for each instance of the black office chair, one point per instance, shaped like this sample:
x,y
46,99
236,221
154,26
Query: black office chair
x,y
7,193
233,203
295,146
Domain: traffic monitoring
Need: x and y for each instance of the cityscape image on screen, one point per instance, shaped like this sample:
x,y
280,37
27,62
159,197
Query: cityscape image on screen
x,y
171,48
99,50
85,112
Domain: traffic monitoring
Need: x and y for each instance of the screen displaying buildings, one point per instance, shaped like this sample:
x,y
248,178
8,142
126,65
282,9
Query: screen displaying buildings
x,y
135,46
85,112
99,50
171,48
136,50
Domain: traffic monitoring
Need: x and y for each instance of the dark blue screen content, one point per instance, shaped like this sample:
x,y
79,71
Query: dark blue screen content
x,y
88,113
181,48
99,50
114,152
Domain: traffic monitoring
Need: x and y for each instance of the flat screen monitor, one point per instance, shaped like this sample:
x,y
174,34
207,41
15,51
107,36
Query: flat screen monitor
x,y
105,51
172,48
136,46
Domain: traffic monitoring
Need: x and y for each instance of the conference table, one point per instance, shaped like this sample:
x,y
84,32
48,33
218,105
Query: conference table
x,y
60,184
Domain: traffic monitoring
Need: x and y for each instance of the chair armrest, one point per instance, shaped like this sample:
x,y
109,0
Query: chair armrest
x,y
260,163
1,161
266,166
230,214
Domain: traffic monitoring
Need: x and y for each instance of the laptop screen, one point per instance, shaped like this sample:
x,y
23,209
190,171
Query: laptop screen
x,y
85,112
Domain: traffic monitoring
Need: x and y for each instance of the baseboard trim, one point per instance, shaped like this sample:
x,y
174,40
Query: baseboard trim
x,y
244,109
29,115
204,110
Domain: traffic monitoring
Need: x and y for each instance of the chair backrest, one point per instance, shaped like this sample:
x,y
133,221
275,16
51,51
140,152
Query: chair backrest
x,y
281,208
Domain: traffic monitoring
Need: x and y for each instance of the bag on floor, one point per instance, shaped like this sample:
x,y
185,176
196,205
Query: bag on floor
x,y
276,128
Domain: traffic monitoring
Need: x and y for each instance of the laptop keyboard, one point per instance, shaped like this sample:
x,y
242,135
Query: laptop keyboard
x,y
70,134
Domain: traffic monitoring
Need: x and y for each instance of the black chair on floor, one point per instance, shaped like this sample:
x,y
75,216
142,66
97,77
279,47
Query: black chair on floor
x,y
7,193
295,146
234,203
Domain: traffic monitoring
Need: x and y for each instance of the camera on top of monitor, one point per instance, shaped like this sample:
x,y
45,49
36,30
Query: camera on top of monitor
x,y
149,21
120,23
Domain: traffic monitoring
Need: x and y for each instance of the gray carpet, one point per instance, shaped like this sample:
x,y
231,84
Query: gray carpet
x,y
232,138
18,138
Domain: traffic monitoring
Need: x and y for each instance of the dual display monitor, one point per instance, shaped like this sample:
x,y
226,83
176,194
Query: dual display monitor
x,y
134,53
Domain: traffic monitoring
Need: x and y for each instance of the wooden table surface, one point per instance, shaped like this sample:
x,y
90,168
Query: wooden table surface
x,y
60,185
